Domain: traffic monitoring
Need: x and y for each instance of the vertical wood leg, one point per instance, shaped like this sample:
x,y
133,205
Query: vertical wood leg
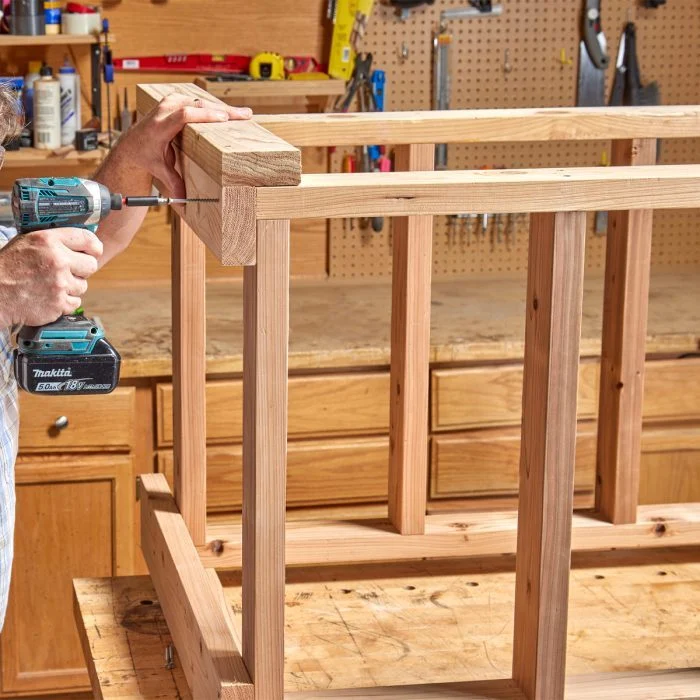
x,y
189,377
410,357
552,336
265,347
626,303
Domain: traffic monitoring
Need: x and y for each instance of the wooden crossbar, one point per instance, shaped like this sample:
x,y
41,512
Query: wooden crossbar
x,y
632,685
454,535
476,191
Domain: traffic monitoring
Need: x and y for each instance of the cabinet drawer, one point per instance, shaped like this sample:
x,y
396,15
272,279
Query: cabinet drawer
x,y
318,473
672,389
486,462
491,396
339,404
94,422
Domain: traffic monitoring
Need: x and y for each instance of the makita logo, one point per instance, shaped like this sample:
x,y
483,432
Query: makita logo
x,y
45,373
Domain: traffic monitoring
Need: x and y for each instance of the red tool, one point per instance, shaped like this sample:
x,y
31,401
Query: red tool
x,y
185,63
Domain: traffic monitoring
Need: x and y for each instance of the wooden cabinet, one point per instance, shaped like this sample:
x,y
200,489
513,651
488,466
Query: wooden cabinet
x,y
324,405
319,472
486,463
478,397
74,519
491,396
93,423
670,466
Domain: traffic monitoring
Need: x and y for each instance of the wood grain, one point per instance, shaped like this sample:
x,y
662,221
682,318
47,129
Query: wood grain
x,y
473,320
471,397
625,618
318,473
323,405
94,422
451,535
81,509
625,312
233,153
237,91
189,374
486,125
191,602
410,356
485,462
547,452
266,338
340,195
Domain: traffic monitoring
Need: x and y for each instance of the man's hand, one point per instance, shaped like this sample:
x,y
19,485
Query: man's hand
x,y
148,143
43,275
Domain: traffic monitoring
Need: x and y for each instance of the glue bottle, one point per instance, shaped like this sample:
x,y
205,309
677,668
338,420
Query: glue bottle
x,y
47,110
70,102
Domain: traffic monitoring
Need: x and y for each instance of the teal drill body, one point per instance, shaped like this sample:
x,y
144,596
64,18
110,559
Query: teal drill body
x,y
70,355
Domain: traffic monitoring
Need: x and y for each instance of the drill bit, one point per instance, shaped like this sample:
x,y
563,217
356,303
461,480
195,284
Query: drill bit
x,y
156,201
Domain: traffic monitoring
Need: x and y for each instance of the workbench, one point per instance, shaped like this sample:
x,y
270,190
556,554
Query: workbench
x,y
404,624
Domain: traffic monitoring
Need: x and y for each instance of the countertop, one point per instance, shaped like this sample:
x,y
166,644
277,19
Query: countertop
x,y
345,324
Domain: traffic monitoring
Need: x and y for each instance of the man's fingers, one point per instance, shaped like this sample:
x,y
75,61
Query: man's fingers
x,y
70,304
175,101
80,240
78,287
82,265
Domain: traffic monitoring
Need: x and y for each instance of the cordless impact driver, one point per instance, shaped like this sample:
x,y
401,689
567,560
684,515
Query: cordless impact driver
x,y
71,355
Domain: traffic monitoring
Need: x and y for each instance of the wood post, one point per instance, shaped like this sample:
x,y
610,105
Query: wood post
x,y
552,336
626,303
265,349
410,357
189,378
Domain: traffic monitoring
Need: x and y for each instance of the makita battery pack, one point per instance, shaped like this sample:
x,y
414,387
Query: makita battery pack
x,y
94,373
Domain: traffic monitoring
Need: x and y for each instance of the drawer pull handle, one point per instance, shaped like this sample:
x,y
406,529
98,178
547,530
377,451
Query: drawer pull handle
x,y
61,423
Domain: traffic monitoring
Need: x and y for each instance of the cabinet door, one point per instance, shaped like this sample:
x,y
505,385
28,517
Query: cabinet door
x,y
74,520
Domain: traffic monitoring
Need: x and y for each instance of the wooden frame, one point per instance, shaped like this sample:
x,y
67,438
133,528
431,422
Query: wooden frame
x,y
255,174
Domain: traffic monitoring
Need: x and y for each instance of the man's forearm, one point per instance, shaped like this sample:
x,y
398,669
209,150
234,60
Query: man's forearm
x,y
119,174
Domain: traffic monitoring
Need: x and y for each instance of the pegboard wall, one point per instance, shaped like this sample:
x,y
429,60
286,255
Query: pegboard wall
x,y
527,57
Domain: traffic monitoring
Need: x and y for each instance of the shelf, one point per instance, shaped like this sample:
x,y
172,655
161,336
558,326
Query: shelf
x,y
272,88
35,158
16,40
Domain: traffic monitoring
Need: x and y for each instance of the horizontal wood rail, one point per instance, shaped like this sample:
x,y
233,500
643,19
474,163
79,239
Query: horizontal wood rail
x,y
453,535
633,685
478,191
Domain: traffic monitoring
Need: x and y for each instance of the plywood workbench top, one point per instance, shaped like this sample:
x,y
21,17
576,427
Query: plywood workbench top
x,y
338,324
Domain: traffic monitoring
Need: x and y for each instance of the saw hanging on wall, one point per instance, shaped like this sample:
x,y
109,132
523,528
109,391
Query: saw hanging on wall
x,y
593,58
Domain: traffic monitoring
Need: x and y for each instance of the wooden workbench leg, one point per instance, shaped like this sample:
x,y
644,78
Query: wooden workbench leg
x,y
189,374
552,336
410,357
626,303
265,345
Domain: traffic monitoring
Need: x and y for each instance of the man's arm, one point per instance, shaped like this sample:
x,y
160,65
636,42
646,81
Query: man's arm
x,y
145,152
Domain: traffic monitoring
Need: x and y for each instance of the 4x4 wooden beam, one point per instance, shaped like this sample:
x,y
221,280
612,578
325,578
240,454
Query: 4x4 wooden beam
x,y
192,599
225,162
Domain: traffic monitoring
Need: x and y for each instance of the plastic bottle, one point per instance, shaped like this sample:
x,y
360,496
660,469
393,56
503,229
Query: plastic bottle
x,y
47,110
28,92
70,102
52,16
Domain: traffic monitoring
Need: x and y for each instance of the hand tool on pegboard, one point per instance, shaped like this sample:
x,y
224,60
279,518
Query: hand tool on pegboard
x,y
627,86
593,58
350,19
404,7
441,43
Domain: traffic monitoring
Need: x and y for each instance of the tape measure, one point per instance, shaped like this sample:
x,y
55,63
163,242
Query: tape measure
x,y
267,66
